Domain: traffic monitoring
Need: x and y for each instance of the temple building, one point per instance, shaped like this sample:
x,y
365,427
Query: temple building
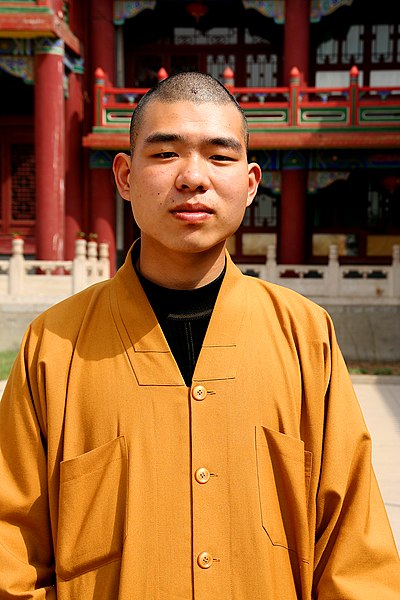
x,y
319,81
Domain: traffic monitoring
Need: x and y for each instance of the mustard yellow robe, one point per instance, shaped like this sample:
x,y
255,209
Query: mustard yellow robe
x,y
101,496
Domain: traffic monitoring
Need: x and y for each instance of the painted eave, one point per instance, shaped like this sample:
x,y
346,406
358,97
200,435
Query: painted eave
x,y
37,22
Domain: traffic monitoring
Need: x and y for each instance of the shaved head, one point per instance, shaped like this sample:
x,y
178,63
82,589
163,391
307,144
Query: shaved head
x,y
185,87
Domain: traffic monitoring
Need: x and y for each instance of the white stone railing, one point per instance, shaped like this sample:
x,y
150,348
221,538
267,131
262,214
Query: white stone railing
x,y
35,279
373,284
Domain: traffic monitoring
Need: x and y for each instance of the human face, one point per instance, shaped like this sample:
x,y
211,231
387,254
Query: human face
x,y
188,180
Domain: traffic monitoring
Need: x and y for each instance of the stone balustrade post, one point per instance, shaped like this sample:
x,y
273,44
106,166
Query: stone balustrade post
x,y
92,261
333,271
104,260
79,271
16,273
271,274
92,251
395,278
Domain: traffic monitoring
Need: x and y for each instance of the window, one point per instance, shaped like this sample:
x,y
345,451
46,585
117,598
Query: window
x,y
347,51
258,229
215,36
382,43
17,189
262,212
361,214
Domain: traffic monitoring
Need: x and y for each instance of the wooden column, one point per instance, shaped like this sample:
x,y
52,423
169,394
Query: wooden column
x,y
49,149
102,189
102,38
74,221
296,39
291,239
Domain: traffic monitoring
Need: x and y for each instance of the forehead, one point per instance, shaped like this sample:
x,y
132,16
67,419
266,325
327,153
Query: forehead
x,y
190,118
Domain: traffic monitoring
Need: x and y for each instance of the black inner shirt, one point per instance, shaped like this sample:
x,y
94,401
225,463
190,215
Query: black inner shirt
x,y
184,316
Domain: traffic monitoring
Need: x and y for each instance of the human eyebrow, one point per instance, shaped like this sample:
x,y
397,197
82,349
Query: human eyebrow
x,y
229,143
159,137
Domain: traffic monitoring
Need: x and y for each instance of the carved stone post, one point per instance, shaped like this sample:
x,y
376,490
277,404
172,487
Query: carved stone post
x,y
333,271
16,273
271,263
79,271
395,283
104,261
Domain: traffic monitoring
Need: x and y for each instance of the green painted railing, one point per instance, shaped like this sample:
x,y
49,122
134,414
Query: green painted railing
x,y
292,108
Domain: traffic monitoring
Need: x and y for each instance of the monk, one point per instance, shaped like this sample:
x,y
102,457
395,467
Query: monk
x,y
183,431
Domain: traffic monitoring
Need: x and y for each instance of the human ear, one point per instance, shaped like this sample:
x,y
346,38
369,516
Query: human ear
x,y
122,169
255,175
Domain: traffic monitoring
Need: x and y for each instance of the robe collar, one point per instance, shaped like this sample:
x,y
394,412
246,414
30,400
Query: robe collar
x,y
145,344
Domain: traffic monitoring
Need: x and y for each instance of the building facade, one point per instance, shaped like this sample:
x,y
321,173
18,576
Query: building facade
x,y
319,81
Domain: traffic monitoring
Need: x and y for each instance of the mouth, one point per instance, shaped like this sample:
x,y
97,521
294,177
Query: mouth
x,y
192,212
198,207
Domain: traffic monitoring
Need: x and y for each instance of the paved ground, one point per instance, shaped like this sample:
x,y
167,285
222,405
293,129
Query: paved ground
x,y
380,402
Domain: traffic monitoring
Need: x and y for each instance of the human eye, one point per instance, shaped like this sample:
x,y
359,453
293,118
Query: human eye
x,y
222,158
165,155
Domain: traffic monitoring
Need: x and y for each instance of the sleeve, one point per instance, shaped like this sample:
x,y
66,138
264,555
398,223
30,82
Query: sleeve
x,y
355,553
26,549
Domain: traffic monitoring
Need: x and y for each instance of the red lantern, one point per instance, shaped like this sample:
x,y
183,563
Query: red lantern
x,y
197,10
390,183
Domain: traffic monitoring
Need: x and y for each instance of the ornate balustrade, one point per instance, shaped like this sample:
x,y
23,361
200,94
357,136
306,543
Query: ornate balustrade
x,y
292,109
19,278
38,279
340,283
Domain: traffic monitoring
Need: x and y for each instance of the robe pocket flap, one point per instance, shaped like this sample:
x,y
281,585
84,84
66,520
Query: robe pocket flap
x,y
284,472
92,509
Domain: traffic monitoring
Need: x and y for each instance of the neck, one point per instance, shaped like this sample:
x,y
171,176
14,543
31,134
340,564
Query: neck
x,y
181,271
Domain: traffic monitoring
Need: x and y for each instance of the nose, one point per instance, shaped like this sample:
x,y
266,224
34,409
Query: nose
x,y
192,175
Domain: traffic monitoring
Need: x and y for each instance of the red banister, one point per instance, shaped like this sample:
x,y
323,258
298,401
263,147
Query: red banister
x,y
99,80
292,97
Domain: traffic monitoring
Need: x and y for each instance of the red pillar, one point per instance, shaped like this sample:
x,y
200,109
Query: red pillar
x,y
49,149
291,239
73,163
296,44
102,189
102,42
296,52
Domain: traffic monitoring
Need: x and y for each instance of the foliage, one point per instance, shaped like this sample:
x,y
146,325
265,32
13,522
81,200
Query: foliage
x,y
6,360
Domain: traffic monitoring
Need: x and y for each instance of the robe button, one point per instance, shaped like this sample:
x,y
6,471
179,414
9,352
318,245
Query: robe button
x,y
204,560
199,392
202,475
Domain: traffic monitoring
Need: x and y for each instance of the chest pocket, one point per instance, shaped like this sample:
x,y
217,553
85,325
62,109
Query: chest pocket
x,y
92,509
284,472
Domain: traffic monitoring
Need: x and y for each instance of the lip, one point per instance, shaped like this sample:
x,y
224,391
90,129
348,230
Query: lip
x,y
189,207
192,212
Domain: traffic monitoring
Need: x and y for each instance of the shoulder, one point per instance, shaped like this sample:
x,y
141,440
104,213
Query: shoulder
x,y
289,307
281,295
66,317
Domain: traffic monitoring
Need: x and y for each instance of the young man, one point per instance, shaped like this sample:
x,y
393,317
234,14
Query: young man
x,y
183,431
